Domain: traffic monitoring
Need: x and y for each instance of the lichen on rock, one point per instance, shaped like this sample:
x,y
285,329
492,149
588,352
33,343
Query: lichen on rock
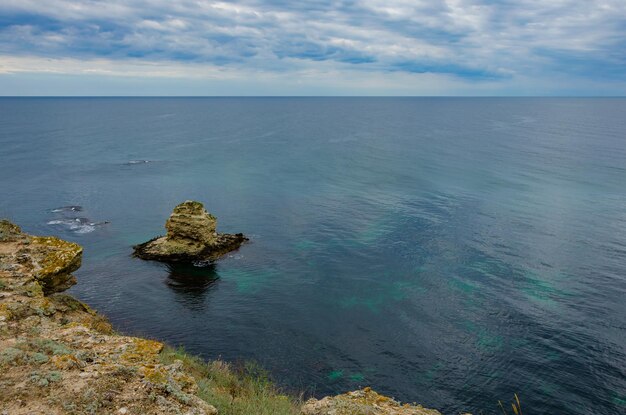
x,y
362,402
49,260
191,236
57,260
8,230
58,356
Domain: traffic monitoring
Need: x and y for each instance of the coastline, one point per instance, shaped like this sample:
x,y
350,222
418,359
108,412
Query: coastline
x,y
58,356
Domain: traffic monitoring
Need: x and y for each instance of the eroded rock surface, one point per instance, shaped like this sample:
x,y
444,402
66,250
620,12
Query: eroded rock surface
x,y
191,236
57,356
49,260
362,402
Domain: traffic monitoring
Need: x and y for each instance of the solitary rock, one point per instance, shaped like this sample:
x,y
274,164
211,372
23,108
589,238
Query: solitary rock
x,y
191,236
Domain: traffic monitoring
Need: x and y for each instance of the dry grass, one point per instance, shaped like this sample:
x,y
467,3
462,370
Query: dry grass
x,y
515,405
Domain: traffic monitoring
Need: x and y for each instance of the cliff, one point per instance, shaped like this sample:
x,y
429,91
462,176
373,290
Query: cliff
x,y
58,356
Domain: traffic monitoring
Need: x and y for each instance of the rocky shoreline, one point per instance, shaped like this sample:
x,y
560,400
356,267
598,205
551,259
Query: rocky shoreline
x,y
58,356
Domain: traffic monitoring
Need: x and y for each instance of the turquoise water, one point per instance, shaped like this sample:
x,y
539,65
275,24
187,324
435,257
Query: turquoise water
x,y
446,251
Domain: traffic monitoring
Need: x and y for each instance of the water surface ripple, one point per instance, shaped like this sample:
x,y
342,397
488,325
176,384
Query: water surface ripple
x,y
446,251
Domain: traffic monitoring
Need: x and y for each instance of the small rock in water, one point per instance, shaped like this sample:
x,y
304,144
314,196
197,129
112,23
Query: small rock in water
x,y
71,208
191,237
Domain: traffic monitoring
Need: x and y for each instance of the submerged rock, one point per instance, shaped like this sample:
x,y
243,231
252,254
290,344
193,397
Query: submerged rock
x,y
66,218
77,225
365,402
71,208
191,236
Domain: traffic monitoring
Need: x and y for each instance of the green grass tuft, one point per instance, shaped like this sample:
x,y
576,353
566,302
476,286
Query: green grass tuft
x,y
234,391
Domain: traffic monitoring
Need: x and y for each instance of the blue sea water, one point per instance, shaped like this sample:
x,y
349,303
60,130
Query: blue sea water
x,y
449,251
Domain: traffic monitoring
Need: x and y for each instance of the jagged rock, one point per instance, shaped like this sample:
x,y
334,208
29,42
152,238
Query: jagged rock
x,y
191,236
56,260
51,260
362,402
8,230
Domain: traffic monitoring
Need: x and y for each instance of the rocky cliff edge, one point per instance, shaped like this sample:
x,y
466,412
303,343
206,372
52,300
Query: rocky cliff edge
x,y
57,356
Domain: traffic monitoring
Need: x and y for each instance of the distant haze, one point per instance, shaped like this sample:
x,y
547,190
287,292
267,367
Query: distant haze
x,y
278,47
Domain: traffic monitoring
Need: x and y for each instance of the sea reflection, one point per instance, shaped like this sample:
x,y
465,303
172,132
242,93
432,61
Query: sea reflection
x,y
191,283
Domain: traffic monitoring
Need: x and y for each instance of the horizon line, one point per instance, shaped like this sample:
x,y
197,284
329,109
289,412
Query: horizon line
x,y
312,96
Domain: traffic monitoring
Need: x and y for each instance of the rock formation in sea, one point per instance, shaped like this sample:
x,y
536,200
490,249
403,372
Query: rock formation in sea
x,y
191,236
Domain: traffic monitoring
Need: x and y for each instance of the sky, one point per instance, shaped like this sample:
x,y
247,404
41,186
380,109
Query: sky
x,y
313,47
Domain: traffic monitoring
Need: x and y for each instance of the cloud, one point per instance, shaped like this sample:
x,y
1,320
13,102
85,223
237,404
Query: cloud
x,y
475,41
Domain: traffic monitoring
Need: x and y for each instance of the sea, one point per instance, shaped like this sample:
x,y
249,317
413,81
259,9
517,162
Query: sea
x,y
446,251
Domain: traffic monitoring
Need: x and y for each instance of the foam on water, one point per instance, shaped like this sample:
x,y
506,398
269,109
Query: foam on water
x,y
67,209
77,225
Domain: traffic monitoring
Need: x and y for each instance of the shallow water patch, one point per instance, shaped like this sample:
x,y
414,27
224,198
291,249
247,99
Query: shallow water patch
x,y
247,281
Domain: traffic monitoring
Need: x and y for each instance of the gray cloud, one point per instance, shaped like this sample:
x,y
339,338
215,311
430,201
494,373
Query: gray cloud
x,y
469,39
